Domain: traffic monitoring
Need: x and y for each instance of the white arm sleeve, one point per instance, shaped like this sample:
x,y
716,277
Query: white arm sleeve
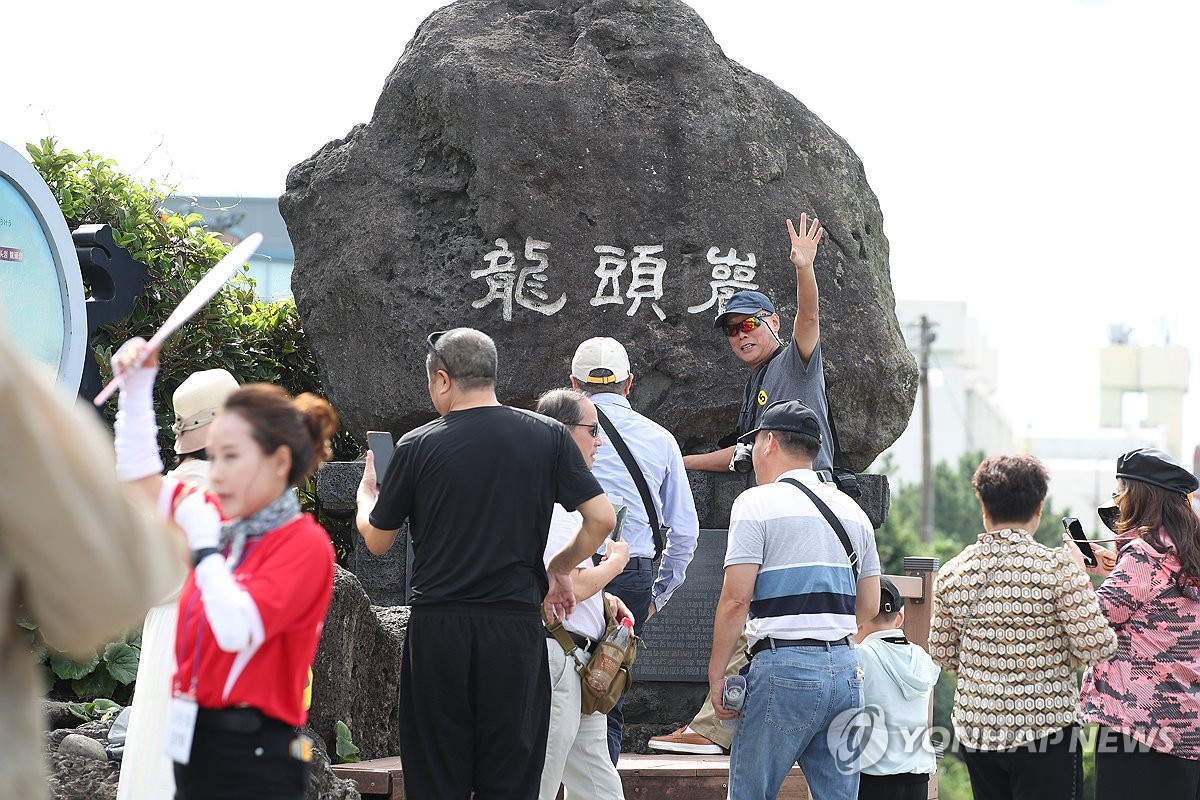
x,y
230,611
135,431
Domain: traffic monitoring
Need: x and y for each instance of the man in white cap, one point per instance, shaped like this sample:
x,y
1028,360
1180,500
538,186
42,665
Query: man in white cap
x,y
146,772
664,500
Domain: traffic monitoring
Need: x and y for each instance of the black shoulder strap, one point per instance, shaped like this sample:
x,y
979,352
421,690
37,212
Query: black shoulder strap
x,y
837,445
832,519
639,479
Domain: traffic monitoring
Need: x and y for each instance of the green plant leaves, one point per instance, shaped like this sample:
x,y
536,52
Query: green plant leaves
x,y
69,669
121,661
347,751
97,684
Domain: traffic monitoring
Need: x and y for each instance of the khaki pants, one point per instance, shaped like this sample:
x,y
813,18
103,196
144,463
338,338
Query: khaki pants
x,y
706,723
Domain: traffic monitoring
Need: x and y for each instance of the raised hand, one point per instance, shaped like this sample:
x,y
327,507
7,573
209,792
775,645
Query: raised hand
x,y
804,242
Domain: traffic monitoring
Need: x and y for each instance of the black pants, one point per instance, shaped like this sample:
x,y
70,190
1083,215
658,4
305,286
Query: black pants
x,y
1050,768
1126,768
909,786
635,588
474,703
239,754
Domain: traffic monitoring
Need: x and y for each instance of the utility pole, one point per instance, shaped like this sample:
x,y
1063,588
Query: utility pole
x,y
927,339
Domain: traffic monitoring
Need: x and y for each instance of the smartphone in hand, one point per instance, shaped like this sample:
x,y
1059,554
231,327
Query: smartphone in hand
x,y
616,533
381,446
1072,527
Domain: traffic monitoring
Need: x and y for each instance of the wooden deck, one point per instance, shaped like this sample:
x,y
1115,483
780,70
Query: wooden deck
x,y
664,777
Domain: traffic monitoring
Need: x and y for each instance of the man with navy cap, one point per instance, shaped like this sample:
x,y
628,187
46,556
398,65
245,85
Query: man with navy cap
x,y
778,371
801,573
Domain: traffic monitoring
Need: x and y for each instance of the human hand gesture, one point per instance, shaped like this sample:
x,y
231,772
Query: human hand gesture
x,y
716,695
616,552
804,242
126,362
560,600
200,520
1106,561
368,487
618,608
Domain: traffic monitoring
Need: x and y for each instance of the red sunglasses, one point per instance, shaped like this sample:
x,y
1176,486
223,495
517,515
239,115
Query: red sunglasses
x,y
746,325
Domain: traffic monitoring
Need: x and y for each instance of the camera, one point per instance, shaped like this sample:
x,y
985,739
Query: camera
x,y
845,480
742,460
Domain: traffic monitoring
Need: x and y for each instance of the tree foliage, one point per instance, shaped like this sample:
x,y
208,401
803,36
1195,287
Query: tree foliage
x,y
957,519
255,341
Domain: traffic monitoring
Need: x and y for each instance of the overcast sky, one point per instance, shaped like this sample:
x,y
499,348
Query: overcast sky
x,y
1037,160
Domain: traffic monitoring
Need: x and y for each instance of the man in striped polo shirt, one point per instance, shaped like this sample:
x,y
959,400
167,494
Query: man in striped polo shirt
x,y
799,592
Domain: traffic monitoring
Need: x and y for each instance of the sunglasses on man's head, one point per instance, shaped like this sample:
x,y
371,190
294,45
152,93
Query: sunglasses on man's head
x,y
593,429
746,325
430,341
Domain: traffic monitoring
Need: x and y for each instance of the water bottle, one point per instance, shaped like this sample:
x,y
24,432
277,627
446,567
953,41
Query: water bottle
x,y
610,654
733,697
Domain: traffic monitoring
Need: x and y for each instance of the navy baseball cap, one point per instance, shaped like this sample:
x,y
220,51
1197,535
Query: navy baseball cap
x,y
744,302
786,415
1157,469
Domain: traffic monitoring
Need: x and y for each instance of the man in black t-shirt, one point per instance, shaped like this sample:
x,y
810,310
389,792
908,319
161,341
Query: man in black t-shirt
x,y
478,487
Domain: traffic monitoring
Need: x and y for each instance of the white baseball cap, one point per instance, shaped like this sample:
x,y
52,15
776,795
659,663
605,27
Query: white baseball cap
x,y
600,355
196,402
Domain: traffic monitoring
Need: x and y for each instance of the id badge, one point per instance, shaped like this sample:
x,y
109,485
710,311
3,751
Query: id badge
x,y
181,726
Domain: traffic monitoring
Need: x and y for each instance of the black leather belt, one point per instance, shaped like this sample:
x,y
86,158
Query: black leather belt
x,y
582,642
764,644
242,719
639,564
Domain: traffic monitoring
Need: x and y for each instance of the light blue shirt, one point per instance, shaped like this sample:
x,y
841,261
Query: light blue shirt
x,y
657,452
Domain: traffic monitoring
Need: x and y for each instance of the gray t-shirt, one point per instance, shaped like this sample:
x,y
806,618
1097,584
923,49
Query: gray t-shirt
x,y
787,377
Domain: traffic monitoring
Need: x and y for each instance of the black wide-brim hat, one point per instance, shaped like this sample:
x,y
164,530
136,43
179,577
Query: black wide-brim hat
x,y
1156,468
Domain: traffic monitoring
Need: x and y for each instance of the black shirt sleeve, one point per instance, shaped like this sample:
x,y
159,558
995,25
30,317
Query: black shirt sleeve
x,y
575,482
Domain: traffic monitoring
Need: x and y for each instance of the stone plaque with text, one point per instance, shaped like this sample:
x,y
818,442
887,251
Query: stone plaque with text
x,y
678,640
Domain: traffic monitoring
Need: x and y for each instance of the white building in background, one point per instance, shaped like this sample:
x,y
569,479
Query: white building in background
x,y
235,218
1141,405
962,383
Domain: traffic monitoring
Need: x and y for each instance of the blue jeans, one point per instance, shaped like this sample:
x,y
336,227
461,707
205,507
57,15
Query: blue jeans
x,y
635,588
793,696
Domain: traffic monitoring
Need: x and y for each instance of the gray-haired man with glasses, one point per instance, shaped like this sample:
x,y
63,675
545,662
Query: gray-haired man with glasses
x,y
477,487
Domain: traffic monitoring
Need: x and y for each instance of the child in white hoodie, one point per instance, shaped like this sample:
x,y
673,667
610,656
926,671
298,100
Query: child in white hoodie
x,y
898,678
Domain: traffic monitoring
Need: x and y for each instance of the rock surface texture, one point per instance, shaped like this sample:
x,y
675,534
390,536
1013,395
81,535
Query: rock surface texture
x,y
356,674
551,171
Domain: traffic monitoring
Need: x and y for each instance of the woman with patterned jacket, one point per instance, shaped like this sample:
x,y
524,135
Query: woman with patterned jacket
x,y
1146,699
1014,619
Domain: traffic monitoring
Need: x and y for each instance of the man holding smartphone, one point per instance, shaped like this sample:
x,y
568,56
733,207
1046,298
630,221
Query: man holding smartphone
x,y
478,486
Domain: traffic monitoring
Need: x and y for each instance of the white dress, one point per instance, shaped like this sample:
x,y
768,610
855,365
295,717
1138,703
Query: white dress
x,y
146,772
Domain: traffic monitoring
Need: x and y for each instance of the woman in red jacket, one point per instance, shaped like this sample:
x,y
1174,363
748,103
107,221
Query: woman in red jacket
x,y
251,611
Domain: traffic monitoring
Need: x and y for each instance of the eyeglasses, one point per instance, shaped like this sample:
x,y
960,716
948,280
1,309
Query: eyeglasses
x,y
593,429
746,325
429,340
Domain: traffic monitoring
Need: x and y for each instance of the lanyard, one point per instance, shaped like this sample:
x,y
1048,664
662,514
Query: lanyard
x,y
181,649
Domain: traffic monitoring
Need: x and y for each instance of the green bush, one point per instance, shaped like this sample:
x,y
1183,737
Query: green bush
x,y
255,341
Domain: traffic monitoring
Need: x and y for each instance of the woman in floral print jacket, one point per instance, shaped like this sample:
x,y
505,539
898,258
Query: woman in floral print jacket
x,y
1146,699
1014,619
